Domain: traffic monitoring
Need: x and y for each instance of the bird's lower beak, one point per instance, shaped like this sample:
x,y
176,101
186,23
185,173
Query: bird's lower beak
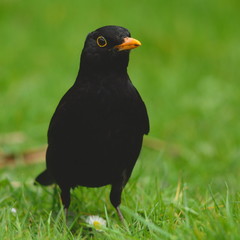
x,y
129,43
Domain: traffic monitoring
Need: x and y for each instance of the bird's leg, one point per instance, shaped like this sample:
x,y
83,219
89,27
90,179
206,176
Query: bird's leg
x,y
65,197
55,194
66,212
115,198
120,214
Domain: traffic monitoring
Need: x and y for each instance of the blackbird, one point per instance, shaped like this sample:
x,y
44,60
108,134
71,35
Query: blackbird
x,y
95,135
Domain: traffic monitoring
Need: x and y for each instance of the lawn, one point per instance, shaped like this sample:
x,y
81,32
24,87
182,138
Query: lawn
x,y
186,182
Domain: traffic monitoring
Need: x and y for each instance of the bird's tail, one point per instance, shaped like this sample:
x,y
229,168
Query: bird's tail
x,y
44,178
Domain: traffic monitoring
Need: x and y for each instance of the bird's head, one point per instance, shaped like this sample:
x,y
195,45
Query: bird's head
x,y
107,49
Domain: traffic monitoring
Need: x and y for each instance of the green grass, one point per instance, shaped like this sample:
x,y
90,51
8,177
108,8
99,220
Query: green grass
x,y
187,71
155,206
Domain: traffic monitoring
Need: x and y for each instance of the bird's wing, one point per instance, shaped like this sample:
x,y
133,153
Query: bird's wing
x,y
69,116
144,117
141,109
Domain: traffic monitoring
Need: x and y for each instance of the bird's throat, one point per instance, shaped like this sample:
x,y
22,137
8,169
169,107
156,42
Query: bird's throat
x,y
102,68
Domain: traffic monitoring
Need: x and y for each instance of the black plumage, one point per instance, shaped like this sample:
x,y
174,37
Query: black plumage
x,y
96,132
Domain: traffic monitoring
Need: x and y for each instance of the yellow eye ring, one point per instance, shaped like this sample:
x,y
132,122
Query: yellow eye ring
x,y
101,41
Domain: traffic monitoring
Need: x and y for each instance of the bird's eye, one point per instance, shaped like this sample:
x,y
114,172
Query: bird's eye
x,y
101,41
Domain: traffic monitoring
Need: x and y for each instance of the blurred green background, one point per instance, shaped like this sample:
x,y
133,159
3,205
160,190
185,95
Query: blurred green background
x,y
187,71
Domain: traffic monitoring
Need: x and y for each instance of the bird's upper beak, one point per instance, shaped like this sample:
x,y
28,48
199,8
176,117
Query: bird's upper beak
x,y
128,43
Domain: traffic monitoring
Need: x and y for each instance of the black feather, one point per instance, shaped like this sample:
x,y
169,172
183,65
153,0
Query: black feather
x,y
95,135
44,179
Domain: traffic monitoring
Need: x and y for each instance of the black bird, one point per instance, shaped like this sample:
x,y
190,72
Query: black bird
x,y
95,135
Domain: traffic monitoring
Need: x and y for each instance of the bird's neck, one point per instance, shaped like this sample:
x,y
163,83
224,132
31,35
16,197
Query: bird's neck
x,y
101,71
100,77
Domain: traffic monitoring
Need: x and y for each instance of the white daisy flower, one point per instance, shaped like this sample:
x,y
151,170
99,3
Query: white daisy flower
x,y
96,221
13,210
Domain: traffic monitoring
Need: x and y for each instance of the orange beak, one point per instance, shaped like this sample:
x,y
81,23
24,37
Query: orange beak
x,y
129,43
